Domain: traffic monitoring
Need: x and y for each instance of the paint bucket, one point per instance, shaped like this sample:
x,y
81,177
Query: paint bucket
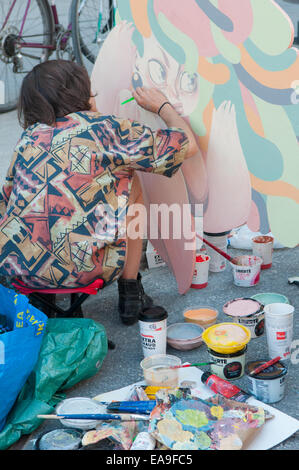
x,y
59,439
153,330
228,366
217,261
269,385
204,316
262,246
226,338
201,272
227,344
279,329
247,273
247,312
266,298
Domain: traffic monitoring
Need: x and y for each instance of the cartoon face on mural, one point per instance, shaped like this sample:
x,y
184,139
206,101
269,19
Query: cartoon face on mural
x,y
229,69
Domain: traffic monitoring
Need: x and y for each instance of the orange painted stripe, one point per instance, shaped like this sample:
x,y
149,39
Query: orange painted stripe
x,y
280,80
213,73
139,13
275,188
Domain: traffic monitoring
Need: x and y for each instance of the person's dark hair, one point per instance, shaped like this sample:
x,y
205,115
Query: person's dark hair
x,y
52,90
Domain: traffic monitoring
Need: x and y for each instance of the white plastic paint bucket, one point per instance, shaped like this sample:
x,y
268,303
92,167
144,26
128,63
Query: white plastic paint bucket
x,y
247,272
269,385
262,246
201,272
217,261
249,313
279,318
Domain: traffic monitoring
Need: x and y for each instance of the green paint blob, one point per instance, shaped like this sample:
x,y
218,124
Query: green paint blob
x,y
192,418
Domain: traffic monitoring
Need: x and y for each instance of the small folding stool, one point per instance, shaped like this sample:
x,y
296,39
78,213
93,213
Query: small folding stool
x,y
78,296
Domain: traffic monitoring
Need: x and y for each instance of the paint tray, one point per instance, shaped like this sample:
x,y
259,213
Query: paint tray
x,y
182,422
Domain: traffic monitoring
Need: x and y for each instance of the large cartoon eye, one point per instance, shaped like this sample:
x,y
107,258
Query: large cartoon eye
x,y
137,80
188,82
157,72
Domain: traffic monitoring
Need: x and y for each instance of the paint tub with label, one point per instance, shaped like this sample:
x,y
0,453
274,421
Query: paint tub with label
x,y
217,261
248,312
153,330
269,385
204,316
262,246
227,344
201,272
247,271
228,366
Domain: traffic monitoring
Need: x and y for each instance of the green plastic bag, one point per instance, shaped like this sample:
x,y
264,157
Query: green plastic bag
x,y
73,349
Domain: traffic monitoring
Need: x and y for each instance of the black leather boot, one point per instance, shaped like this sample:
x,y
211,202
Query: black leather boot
x,y
132,299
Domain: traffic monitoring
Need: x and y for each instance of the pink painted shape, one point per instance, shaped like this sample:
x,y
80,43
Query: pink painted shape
x,y
240,12
192,21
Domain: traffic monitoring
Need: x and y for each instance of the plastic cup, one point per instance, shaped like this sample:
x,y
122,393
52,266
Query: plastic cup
x,y
156,373
262,246
201,272
217,261
279,318
153,330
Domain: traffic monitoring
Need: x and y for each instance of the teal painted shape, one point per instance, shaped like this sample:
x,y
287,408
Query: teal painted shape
x,y
269,62
215,15
174,49
124,10
293,115
263,158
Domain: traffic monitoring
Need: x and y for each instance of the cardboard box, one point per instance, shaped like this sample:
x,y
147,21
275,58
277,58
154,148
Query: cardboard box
x,y
154,260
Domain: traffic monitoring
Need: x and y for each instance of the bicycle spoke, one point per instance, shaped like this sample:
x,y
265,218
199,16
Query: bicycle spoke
x,y
14,61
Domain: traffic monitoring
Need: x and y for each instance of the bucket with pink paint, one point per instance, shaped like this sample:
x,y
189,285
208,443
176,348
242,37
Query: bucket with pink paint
x,y
262,246
247,312
247,270
201,272
279,320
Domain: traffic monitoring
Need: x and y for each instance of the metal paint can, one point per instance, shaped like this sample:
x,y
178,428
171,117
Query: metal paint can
x,y
247,312
228,366
269,385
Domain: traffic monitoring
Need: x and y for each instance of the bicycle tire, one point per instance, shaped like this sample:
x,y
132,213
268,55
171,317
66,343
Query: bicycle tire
x,y
81,49
48,25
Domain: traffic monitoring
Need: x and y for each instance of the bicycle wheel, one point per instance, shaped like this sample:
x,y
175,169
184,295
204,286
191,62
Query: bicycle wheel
x,y
16,30
91,20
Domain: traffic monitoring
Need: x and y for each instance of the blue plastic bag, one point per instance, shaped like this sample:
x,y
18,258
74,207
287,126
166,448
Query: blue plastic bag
x,y
19,348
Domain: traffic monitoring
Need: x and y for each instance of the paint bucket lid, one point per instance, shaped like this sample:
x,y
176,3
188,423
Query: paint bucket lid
x,y
60,439
226,337
153,314
246,305
270,297
79,405
272,372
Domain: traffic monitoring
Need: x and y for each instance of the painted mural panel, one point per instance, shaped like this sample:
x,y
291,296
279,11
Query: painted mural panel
x,y
230,69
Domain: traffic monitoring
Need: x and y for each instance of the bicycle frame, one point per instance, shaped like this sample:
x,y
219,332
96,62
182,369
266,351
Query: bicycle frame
x,y
35,45
66,35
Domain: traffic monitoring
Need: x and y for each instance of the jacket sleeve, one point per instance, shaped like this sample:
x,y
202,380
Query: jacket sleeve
x,y
137,147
